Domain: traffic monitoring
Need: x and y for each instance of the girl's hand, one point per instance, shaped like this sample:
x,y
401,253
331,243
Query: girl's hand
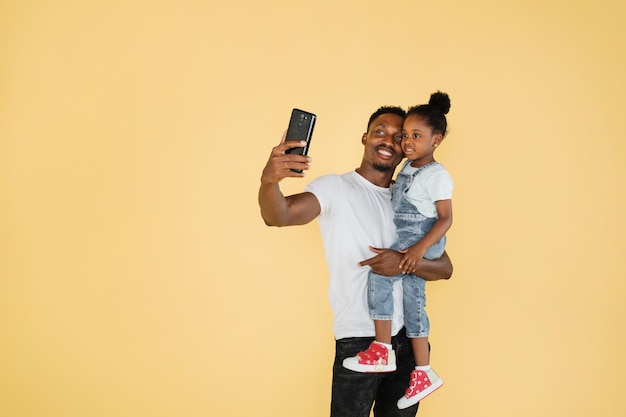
x,y
411,260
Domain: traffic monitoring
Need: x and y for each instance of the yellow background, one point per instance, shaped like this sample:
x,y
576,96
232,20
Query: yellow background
x,y
138,279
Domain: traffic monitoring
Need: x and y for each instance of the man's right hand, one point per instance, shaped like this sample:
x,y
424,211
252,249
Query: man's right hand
x,y
276,209
280,164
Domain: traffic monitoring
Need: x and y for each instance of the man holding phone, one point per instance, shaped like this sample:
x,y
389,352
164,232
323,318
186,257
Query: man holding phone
x,y
355,217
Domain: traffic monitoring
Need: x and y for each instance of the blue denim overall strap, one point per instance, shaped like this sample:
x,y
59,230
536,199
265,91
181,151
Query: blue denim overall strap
x,y
410,224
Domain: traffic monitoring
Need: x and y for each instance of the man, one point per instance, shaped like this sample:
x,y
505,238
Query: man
x,y
355,217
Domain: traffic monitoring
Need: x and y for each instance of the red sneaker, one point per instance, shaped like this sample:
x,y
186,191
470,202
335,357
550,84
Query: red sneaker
x,y
377,358
422,384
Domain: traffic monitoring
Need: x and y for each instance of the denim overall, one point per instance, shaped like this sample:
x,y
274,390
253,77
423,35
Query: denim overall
x,y
411,226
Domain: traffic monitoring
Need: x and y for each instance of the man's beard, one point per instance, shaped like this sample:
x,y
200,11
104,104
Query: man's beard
x,y
383,168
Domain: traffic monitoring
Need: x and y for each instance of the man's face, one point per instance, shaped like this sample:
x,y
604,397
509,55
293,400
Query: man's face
x,y
383,141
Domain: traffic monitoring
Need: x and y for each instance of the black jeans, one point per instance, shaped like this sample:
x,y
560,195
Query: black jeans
x,y
353,393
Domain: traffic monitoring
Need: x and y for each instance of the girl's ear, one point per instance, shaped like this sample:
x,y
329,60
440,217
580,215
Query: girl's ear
x,y
437,139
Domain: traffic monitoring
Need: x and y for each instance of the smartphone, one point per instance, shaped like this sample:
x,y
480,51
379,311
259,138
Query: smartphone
x,y
301,126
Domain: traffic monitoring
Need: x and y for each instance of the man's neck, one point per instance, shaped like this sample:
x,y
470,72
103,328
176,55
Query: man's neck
x,y
375,176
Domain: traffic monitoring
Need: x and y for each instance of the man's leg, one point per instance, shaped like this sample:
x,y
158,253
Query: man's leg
x,y
396,383
353,393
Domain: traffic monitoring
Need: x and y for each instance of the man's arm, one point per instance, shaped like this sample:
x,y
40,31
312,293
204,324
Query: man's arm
x,y
276,209
387,263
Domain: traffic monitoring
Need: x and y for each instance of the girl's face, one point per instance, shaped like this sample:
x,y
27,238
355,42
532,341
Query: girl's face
x,y
418,141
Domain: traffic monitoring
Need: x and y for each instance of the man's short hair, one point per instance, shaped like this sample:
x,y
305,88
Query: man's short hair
x,y
384,110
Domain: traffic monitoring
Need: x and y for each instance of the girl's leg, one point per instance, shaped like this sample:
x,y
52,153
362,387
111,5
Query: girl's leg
x,y
383,331
379,356
421,351
424,380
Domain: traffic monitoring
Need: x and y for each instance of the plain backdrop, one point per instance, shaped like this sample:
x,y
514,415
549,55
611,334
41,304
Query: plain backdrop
x,y
138,279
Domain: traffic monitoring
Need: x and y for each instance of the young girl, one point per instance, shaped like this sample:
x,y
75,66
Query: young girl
x,y
422,202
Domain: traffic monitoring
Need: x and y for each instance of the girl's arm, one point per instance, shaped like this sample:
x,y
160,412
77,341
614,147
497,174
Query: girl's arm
x,y
414,254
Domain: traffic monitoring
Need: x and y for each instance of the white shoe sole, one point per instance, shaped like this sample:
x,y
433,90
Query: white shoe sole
x,y
354,365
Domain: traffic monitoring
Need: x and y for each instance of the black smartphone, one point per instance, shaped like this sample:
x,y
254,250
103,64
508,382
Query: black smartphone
x,y
300,127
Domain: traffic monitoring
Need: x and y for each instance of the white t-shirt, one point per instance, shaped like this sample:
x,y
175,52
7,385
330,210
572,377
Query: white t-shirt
x,y
355,214
431,185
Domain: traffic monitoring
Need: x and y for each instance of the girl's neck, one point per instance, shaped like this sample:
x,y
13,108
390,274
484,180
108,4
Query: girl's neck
x,y
420,162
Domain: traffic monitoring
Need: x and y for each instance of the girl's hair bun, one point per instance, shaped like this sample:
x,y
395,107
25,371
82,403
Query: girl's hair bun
x,y
441,101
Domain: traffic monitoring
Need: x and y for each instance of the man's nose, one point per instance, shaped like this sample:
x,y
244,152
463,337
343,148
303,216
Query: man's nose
x,y
390,139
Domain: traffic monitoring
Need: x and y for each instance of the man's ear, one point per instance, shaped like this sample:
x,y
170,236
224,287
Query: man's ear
x,y
364,138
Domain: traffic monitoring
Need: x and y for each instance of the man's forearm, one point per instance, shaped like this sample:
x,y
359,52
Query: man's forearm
x,y
387,263
435,269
